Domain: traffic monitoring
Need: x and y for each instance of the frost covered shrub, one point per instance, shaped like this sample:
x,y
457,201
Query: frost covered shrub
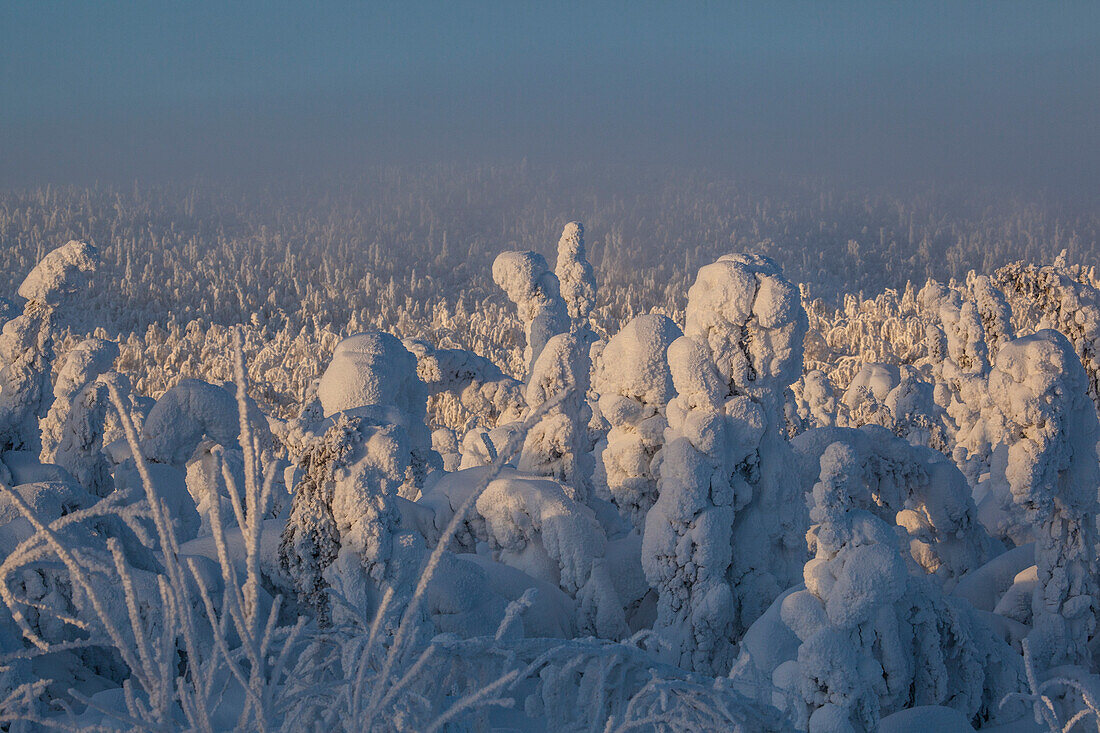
x,y
721,542
1053,476
528,282
445,443
50,622
864,400
634,383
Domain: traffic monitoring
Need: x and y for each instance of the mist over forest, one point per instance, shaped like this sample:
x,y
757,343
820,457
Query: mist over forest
x,y
550,367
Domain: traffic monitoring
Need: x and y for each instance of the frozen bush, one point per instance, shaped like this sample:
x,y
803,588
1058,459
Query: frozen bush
x,y
479,446
911,413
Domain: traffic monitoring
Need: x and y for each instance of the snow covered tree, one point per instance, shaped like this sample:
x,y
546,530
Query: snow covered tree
x,y
721,484
967,327
375,368
82,365
82,437
863,401
183,416
1053,474
915,490
27,343
482,389
686,545
534,525
815,399
528,282
752,321
634,383
914,415
1062,298
576,279
874,639
557,445
993,310
344,530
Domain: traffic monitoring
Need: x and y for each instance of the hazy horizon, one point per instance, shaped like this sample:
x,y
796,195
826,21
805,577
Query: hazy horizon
x,y
976,93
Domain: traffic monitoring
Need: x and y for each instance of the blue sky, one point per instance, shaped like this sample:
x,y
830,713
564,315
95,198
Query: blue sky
x,y
916,89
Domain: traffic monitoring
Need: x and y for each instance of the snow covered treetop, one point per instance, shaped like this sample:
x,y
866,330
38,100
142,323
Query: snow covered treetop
x,y
575,276
372,368
1040,385
1032,367
527,280
61,271
529,284
634,363
92,356
183,415
752,319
